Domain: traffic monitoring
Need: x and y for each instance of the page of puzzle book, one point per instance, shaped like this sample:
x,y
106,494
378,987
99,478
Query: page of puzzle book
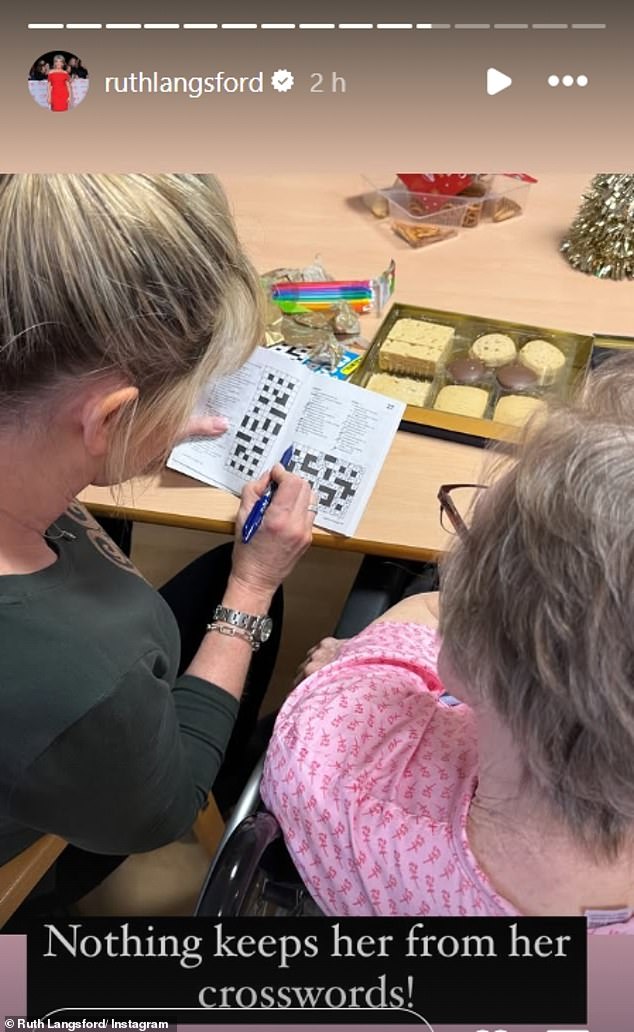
x,y
340,435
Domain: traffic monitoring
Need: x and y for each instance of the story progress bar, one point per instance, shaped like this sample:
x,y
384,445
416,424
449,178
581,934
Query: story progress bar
x,y
286,26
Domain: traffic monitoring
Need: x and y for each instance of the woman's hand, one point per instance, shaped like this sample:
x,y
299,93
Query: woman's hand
x,y
326,651
260,566
203,426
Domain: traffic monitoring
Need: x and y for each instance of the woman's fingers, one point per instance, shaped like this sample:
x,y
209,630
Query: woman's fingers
x,y
291,506
323,648
313,506
252,493
285,534
204,426
255,489
292,492
320,655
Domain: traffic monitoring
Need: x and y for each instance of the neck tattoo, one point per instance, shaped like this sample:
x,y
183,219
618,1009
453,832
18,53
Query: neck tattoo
x,y
61,535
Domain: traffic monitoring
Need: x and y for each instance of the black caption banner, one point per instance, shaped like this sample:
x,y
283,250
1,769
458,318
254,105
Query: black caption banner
x,y
268,970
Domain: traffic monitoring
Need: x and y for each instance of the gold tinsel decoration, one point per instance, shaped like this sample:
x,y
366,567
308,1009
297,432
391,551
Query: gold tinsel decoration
x,y
600,241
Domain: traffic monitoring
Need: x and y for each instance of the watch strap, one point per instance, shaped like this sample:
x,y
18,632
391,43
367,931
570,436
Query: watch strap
x,y
235,618
258,627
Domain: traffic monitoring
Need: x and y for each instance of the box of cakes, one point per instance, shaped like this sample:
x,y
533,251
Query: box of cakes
x,y
606,346
467,377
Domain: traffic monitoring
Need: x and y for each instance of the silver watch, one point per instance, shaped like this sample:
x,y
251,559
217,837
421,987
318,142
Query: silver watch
x,y
257,627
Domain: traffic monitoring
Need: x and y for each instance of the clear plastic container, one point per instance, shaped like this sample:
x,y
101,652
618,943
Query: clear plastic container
x,y
506,198
492,197
377,198
420,223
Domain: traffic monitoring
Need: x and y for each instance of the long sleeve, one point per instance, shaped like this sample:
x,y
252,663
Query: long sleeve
x,y
131,774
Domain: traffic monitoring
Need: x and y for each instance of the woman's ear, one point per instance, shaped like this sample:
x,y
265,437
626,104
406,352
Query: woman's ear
x,y
99,415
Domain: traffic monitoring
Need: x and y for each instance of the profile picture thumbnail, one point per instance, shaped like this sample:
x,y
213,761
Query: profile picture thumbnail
x,y
58,80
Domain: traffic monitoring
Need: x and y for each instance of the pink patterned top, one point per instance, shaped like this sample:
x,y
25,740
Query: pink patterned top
x,y
371,778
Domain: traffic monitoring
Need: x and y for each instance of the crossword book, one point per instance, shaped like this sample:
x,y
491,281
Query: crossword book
x,y
340,434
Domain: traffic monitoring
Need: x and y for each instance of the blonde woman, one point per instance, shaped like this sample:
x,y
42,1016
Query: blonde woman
x,y
119,297
60,92
519,800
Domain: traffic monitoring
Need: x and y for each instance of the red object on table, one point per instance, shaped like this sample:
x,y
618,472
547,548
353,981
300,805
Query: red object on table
x,y
446,183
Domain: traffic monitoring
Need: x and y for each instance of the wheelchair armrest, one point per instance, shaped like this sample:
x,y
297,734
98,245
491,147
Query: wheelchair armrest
x,y
232,872
379,584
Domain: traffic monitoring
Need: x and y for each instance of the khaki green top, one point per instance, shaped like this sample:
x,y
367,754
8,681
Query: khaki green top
x,y
100,741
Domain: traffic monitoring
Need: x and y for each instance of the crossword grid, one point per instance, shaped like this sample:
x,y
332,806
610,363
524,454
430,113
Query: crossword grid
x,y
335,481
262,424
285,26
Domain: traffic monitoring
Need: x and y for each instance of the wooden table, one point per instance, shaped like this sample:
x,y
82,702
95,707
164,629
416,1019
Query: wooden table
x,y
507,271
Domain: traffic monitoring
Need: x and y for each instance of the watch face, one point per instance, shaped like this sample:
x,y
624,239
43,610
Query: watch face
x,y
265,628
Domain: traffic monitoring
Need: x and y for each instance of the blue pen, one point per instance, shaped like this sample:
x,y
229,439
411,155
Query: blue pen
x,y
255,517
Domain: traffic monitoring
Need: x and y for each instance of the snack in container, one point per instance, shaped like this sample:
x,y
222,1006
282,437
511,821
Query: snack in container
x,y
468,395
507,196
516,377
378,204
411,359
516,409
472,215
494,349
422,332
473,196
487,197
466,369
503,208
415,347
544,359
462,401
421,221
403,388
440,191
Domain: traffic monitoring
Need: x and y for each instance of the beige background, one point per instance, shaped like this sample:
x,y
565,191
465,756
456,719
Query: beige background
x,y
416,94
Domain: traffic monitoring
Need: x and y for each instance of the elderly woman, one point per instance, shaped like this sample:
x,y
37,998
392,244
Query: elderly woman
x,y
519,800
120,296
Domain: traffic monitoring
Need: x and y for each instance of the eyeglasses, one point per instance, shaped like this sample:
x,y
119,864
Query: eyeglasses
x,y
453,498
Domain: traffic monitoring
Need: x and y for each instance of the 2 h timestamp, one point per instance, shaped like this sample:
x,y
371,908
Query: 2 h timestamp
x,y
328,82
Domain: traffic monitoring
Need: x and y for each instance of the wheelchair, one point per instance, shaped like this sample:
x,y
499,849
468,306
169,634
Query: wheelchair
x,y
252,873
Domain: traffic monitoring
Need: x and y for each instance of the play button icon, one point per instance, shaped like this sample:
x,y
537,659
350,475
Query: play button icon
x,y
497,81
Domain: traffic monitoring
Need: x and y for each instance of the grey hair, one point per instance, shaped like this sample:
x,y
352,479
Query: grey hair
x,y
537,608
